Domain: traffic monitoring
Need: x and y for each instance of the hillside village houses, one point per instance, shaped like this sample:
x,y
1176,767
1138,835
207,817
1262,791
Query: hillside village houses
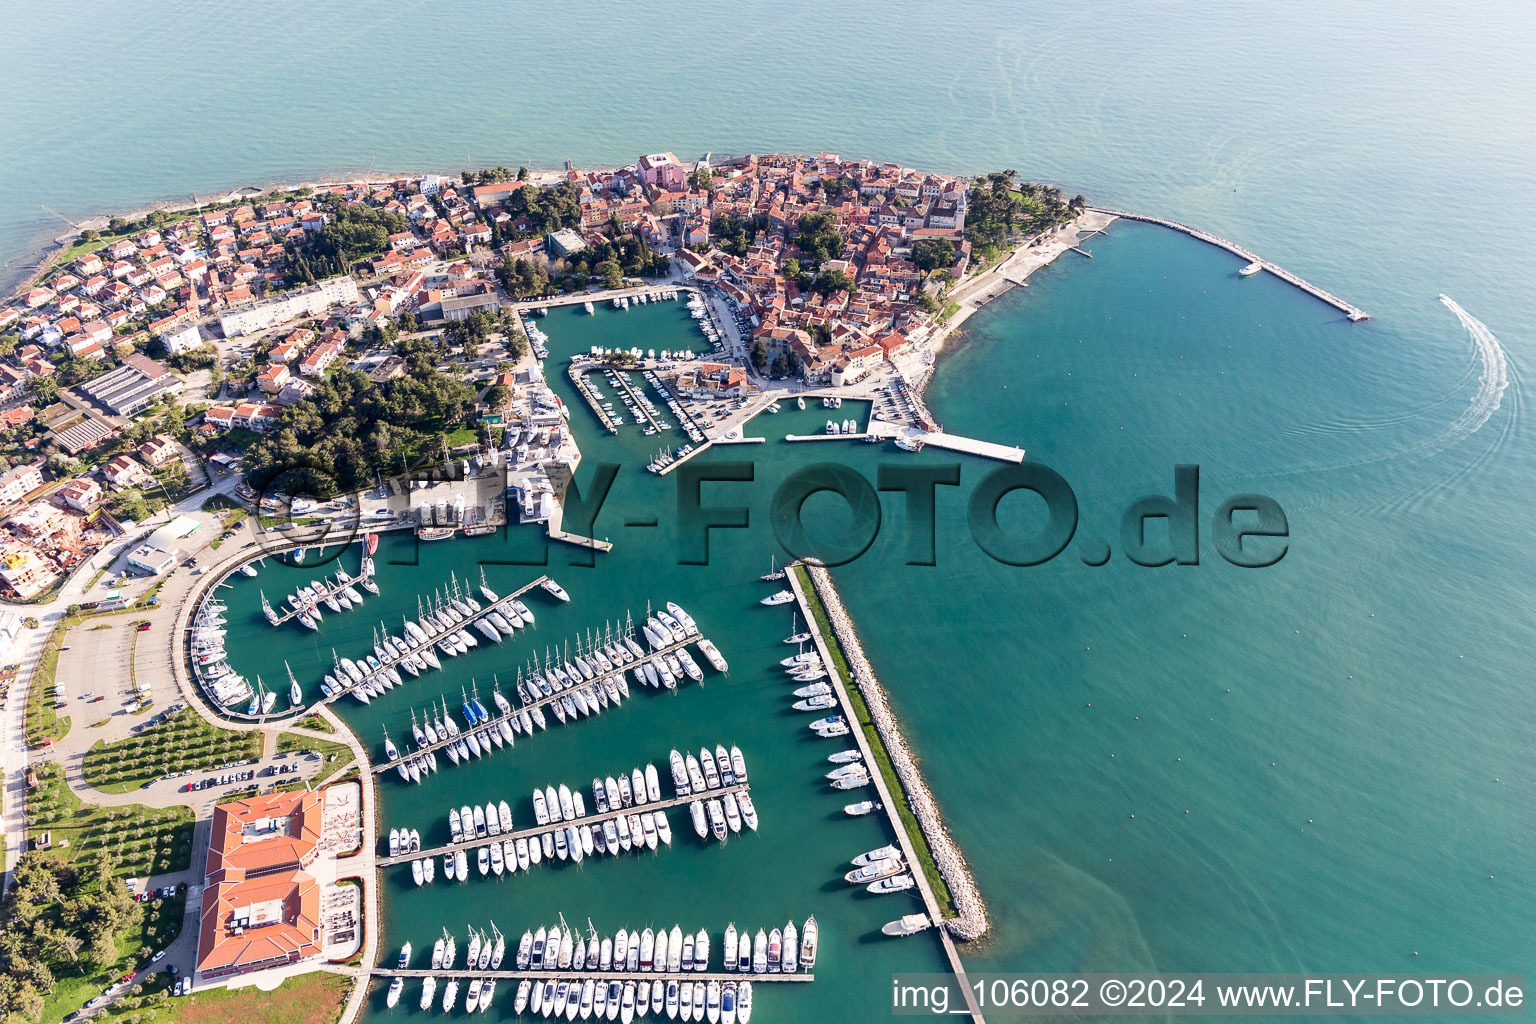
x,y
222,272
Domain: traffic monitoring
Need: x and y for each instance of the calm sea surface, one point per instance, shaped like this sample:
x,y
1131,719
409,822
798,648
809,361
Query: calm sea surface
x,y
1328,761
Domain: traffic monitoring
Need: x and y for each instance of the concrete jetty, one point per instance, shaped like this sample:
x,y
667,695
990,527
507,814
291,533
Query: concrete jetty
x,y
972,921
679,460
576,372
1353,312
951,442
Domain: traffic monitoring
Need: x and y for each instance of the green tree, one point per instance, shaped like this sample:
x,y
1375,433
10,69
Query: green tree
x,y
44,390
931,254
830,281
613,275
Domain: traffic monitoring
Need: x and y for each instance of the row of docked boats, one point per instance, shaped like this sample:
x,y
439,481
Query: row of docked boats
x,y
611,999
205,638
844,427
341,594
595,673
442,627
483,733
847,764
715,816
694,433
880,871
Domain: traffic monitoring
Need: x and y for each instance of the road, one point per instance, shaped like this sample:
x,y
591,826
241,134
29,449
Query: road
x,y
82,587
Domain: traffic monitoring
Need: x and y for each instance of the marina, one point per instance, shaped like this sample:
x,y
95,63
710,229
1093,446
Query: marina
x,y
433,629
567,698
338,595
702,880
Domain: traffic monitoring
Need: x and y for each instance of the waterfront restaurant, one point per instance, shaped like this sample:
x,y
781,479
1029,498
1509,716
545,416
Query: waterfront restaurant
x,y
261,907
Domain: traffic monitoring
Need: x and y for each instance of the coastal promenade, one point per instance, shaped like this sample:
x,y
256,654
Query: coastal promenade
x,y
972,922
1355,313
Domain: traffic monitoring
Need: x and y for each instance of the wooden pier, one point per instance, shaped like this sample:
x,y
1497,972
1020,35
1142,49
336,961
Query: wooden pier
x,y
543,702
539,830
1353,312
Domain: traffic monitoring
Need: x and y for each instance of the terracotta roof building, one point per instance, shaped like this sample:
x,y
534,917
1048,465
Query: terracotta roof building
x,y
261,908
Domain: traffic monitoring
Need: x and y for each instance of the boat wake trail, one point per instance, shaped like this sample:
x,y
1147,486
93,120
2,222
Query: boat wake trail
x,y
1494,375
1493,381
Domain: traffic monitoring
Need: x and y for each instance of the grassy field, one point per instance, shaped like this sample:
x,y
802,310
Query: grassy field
x,y
315,998
159,923
184,741
145,840
43,723
877,747
289,741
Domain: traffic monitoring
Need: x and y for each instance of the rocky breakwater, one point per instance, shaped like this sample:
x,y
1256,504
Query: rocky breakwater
x,y
971,920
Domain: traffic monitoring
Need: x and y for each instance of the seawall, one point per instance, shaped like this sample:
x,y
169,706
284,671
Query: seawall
x,y
971,920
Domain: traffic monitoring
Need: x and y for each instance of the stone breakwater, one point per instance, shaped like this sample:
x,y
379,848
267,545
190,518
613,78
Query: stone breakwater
x,y
971,921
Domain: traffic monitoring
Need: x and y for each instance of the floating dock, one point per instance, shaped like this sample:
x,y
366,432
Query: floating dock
x,y
1353,312
539,830
323,590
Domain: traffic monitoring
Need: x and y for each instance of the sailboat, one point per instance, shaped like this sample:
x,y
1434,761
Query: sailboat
x,y
773,573
295,695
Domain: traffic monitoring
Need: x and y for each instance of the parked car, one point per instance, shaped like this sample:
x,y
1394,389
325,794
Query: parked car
x,y
143,626
157,957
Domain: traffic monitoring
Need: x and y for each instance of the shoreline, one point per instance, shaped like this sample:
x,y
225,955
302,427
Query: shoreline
x,y
1013,270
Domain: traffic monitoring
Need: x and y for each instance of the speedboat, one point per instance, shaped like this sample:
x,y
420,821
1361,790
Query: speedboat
x,y
1250,269
808,944
860,809
898,883
782,597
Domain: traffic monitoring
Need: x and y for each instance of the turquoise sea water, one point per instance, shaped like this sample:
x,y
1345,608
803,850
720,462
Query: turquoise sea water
x,y
1362,792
